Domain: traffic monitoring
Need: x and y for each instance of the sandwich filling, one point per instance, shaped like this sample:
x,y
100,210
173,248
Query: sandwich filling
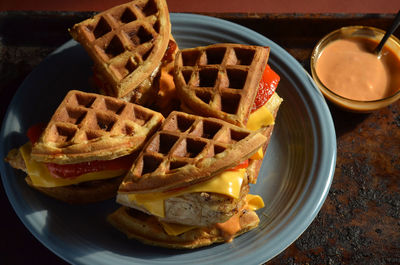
x,y
41,176
55,175
228,228
227,183
261,115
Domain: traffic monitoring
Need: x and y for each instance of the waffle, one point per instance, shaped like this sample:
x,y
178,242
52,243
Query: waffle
x,y
126,43
148,230
189,149
220,80
88,127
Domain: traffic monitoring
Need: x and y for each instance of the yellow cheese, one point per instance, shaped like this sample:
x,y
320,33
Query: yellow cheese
x,y
254,202
41,177
155,205
175,229
258,155
260,118
228,183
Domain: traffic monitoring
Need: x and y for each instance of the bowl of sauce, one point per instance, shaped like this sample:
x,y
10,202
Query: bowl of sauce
x,y
351,75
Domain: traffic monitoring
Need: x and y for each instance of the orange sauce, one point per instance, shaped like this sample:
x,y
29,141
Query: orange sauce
x,y
348,68
230,227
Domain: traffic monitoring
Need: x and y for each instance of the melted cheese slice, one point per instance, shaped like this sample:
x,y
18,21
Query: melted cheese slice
x,y
227,183
175,229
258,155
41,177
253,202
260,118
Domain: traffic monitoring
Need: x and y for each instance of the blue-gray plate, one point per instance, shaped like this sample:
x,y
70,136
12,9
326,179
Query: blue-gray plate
x,y
294,179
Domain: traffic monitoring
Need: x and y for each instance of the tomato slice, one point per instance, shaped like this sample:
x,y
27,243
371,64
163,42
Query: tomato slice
x,y
169,53
266,87
76,170
35,131
243,164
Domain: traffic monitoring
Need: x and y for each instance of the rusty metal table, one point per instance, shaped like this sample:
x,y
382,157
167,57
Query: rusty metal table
x,y
360,220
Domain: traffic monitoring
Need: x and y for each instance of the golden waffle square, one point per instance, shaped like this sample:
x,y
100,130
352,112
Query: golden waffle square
x,y
189,149
220,80
126,43
89,126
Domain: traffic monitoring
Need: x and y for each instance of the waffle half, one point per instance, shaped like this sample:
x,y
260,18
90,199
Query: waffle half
x,y
126,43
89,126
189,149
220,80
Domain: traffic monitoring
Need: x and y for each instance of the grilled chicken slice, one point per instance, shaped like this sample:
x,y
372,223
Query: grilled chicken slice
x,y
202,208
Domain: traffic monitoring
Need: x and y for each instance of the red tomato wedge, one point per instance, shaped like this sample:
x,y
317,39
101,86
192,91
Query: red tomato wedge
x,y
35,131
266,87
169,53
75,170
243,164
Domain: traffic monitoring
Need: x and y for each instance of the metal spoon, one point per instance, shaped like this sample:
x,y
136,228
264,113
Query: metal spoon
x,y
392,28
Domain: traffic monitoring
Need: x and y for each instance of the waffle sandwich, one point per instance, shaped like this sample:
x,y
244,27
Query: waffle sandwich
x,y
232,82
90,142
128,44
189,185
221,80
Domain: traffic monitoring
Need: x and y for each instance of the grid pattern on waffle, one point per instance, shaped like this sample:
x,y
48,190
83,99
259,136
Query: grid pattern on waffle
x,y
184,140
124,37
220,79
92,120
189,148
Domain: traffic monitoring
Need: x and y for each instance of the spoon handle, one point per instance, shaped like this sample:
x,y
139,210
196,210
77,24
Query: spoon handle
x,y
389,32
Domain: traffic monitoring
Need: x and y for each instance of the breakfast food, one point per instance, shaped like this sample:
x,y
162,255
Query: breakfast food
x,y
189,185
183,181
221,80
128,44
232,82
89,143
